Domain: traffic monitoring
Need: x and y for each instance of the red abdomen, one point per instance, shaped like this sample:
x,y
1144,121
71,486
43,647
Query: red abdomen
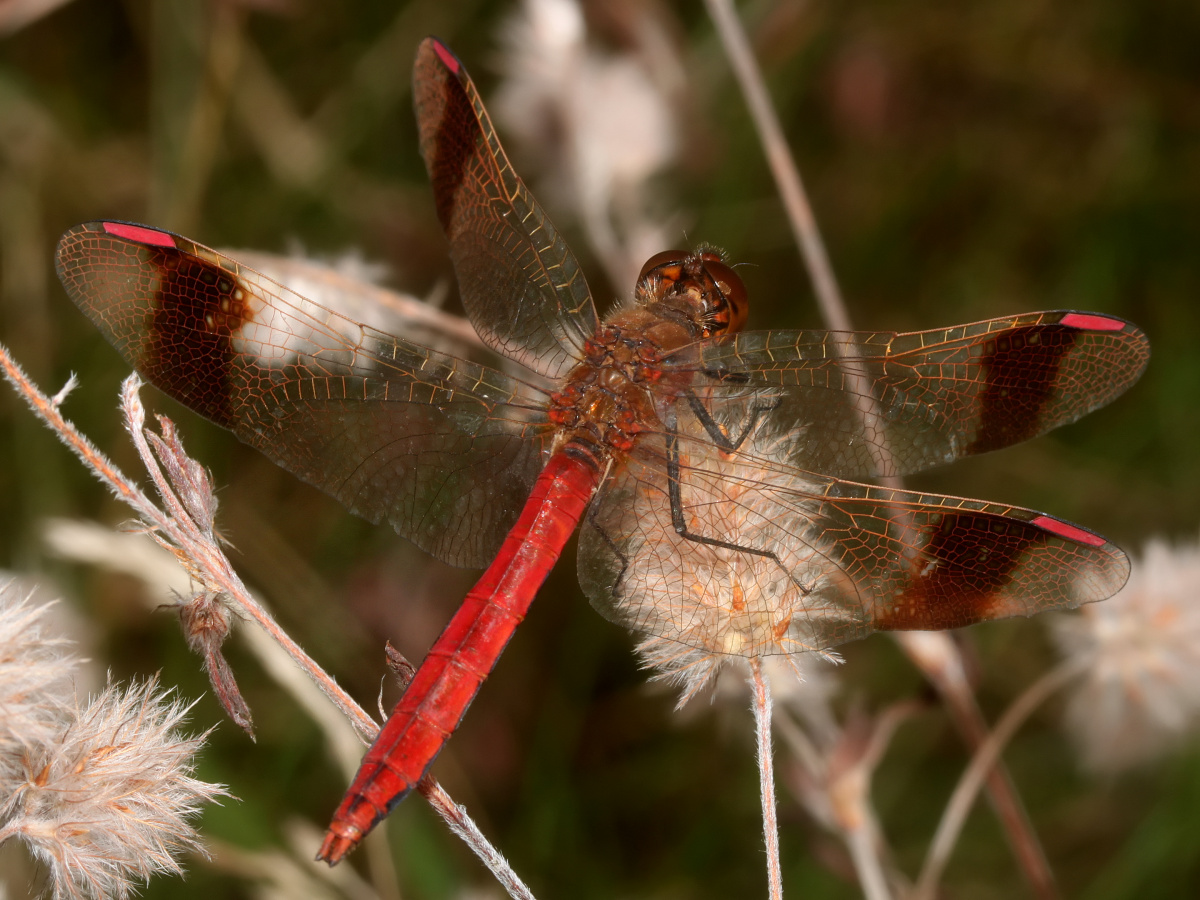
x,y
466,652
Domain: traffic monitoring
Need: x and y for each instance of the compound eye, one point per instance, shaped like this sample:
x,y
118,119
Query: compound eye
x,y
671,259
737,304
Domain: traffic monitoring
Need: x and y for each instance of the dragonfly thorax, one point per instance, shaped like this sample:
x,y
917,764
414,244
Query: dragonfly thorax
x,y
607,399
681,298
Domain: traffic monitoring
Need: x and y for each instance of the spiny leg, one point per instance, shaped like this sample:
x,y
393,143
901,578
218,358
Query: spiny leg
x,y
679,522
717,432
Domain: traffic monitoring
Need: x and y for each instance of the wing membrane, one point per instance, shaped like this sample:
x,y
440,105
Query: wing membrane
x,y
869,405
777,560
521,285
442,448
341,286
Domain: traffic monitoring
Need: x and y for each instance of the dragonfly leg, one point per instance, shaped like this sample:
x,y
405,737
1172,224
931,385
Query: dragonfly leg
x,y
717,432
679,521
613,548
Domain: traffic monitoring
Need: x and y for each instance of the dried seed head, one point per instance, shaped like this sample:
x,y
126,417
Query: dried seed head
x,y
109,803
189,479
206,621
1140,692
599,126
36,690
716,604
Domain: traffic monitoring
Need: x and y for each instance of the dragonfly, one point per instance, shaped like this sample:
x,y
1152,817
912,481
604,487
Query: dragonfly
x,y
709,469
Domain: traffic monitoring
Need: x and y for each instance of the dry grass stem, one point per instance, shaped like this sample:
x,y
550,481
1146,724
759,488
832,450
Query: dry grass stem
x,y
941,662
861,842
783,166
101,794
1028,849
186,528
982,762
850,771
284,874
761,704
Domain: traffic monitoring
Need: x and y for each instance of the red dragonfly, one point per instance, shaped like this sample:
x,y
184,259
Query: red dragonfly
x,y
715,467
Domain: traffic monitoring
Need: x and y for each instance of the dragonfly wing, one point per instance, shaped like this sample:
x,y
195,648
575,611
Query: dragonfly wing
x,y
865,405
774,560
521,285
346,286
442,448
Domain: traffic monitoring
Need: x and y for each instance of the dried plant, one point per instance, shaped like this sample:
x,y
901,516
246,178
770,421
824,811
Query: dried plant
x,y
110,802
36,689
185,526
599,127
1139,694
101,793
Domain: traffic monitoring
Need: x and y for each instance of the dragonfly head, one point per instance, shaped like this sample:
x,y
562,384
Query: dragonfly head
x,y
699,286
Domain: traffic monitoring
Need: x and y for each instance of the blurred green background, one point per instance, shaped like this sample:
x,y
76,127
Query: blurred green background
x,y
964,160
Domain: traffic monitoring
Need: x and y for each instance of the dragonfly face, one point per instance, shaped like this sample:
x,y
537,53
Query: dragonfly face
x,y
721,470
699,288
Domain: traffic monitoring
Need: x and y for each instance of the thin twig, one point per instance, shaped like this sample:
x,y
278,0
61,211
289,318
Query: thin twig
x,y
851,774
985,758
861,844
964,710
941,662
766,775
207,563
801,745
864,841
783,166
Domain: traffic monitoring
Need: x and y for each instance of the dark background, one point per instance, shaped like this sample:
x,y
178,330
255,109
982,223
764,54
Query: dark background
x,y
965,161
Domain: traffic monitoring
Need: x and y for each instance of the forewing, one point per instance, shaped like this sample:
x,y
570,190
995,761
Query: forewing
x,y
521,285
869,405
776,560
349,287
442,448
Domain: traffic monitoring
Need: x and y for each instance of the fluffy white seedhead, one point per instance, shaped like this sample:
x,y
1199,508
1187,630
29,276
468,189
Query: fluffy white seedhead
x,y
600,126
716,605
109,803
36,691
1140,693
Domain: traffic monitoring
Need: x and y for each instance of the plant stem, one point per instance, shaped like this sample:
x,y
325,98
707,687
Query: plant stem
x,y
766,775
982,763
